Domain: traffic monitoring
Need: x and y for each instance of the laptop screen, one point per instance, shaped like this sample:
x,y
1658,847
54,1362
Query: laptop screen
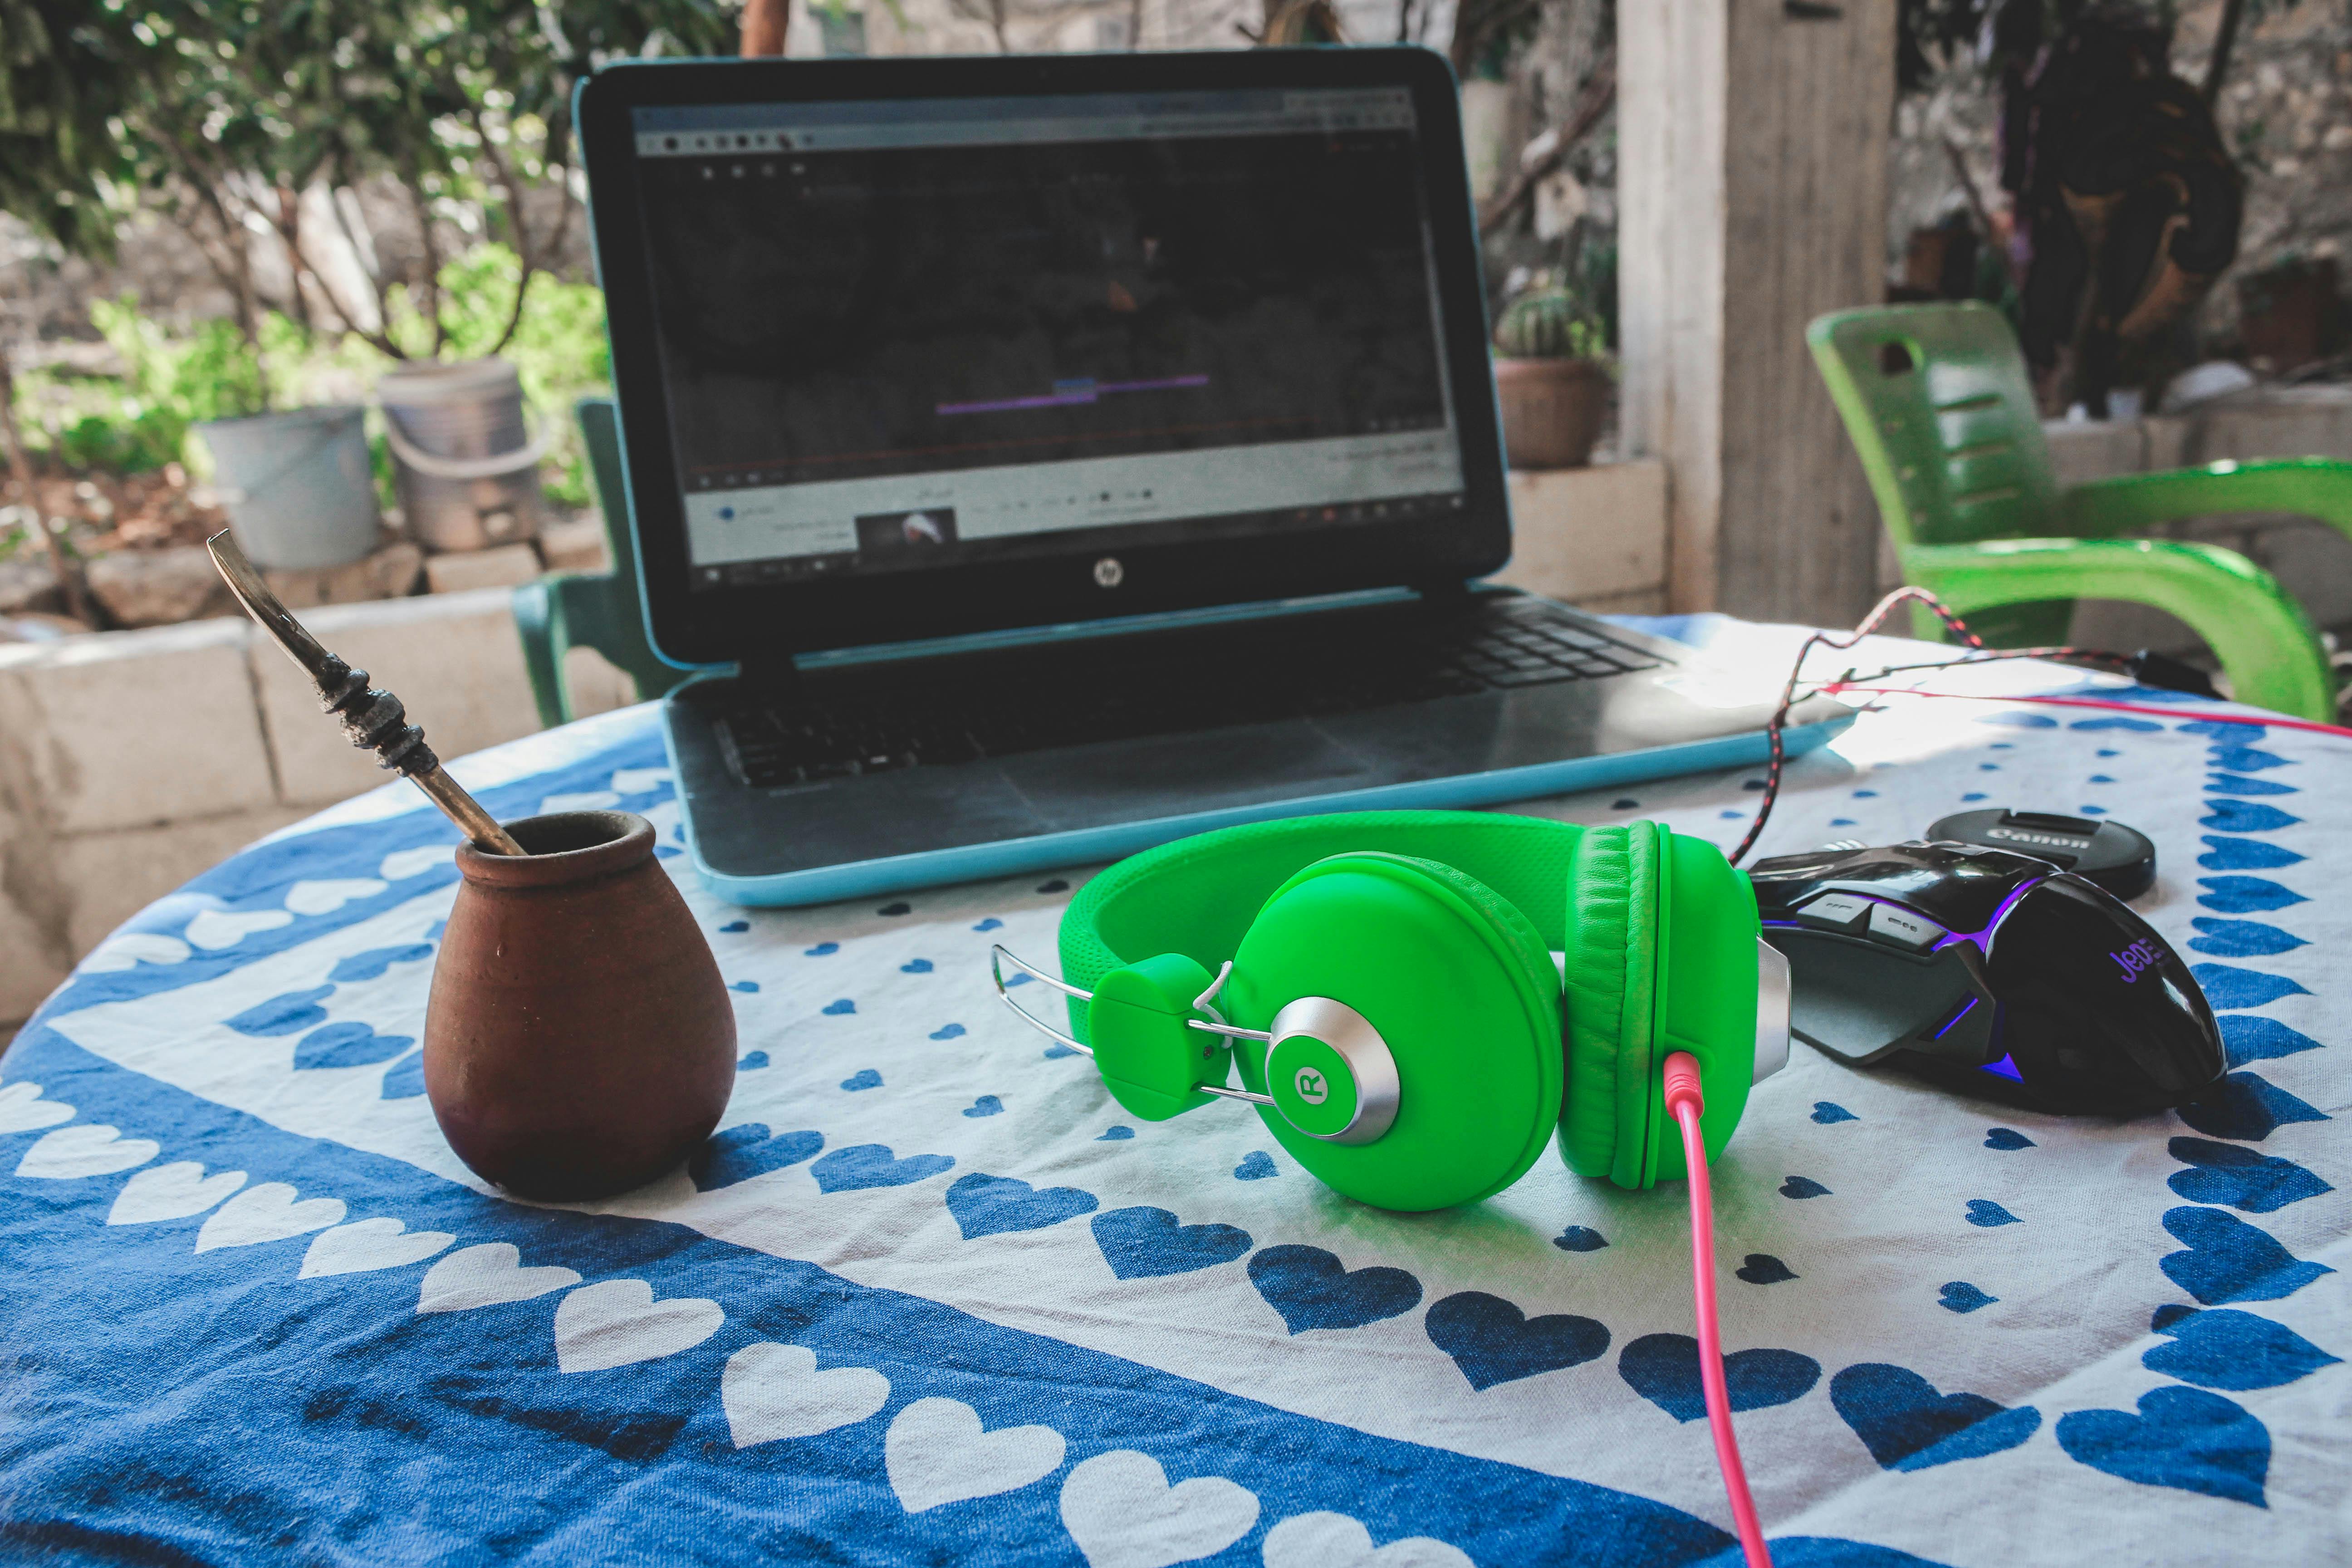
x,y
904,334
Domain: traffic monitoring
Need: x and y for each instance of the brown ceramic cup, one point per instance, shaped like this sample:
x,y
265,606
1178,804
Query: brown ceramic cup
x,y
579,1041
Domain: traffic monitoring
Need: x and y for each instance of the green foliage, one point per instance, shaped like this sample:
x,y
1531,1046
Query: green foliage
x,y
67,68
1550,322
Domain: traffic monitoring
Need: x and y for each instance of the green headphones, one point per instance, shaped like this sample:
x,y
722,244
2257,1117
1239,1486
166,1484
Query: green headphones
x,y
1392,1001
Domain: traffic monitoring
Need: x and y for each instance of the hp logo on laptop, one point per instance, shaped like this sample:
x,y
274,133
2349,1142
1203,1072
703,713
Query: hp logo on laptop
x,y
1108,572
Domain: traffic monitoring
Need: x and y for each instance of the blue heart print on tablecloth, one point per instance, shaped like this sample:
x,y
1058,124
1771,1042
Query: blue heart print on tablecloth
x,y
872,1165
2141,725
735,928
2226,987
1311,1288
1580,1239
1115,1136
2007,1139
2240,1177
986,1105
840,1009
2250,1040
916,966
1664,1370
1803,1187
2225,1348
751,988
753,1061
822,949
2227,1260
1145,1243
993,1206
349,1043
2247,1107
990,923
2225,815
2231,784
2244,854
1827,1112
1907,1425
1763,1268
2242,939
2020,720
1493,1341
289,1014
644,1449
1974,795
2182,1438
1051,1053
740,1153
862,1080
404,1079
1256,1166
1959,1296
948,1032
372,963
1985,1213
2246,894
2247,759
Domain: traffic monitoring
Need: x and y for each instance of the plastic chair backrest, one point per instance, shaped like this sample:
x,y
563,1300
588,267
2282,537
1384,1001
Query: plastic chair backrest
x,y
1937,401
600,432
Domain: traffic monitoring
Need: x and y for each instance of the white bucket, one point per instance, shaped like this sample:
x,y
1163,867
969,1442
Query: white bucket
x,y
297,485
467,467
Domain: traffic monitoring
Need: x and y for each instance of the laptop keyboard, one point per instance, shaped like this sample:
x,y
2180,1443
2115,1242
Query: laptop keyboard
x,y
862,718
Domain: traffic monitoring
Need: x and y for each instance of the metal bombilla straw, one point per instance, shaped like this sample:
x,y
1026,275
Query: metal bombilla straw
x,y
373,719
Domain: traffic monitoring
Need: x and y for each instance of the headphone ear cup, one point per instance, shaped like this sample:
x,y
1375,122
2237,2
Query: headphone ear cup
x,y
1459,987
1611,951
1706,994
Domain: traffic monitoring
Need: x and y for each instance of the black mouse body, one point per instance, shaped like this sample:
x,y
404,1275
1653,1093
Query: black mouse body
x,y
1988,970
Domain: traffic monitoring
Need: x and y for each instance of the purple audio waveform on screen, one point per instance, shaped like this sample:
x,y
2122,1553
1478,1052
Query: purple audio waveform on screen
x,y
1071,394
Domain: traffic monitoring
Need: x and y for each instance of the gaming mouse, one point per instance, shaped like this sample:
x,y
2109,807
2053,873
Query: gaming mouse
x,y
1990,972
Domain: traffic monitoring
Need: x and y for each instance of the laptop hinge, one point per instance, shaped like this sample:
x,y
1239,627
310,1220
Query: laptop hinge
x,y
770,672
1444,592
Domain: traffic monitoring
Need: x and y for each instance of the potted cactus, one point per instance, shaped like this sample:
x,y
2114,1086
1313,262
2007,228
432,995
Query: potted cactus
x,y
1551,378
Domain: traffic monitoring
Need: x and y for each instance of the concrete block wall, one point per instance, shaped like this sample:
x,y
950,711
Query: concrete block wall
x,y
131,761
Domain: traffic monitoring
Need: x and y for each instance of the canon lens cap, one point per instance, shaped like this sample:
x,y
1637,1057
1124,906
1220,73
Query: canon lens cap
x,y
2117,857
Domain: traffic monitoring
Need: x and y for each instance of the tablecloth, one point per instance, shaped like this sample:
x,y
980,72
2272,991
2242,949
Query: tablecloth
x,y
929,1296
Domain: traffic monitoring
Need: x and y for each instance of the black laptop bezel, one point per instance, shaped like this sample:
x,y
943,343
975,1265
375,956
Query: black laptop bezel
x,y
768,622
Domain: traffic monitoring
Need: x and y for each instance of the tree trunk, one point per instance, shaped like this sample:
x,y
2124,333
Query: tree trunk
x,y
20,470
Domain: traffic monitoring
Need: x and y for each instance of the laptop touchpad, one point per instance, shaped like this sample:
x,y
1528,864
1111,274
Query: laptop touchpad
x,y
1169,775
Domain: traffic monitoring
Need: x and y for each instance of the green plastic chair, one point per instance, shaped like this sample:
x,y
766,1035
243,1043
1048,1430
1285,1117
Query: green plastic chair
x,y
1937,401
592,609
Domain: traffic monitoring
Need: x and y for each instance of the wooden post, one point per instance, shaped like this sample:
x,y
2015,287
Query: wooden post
x,y
1752,141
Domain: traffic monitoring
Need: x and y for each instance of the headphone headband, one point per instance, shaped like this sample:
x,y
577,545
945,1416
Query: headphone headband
x,y
1199,895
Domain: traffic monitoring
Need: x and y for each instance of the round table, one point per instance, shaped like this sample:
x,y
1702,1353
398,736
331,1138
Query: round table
x,y
929,1295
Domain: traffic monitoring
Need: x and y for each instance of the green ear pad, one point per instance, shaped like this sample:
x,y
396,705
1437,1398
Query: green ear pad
x,y
1610,948
1460,987
1707,988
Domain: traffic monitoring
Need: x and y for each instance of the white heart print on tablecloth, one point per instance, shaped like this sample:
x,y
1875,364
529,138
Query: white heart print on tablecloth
x,y
486,1275
370,1244
266,1213
214,929
89,1150
22,1109
1121,1509
133,948
171,1191
1336,1541
402,864
772,1391
617,1321
324,897
937,1453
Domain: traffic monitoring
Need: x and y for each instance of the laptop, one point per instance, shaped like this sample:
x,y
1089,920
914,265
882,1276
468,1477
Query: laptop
x,y
1041,459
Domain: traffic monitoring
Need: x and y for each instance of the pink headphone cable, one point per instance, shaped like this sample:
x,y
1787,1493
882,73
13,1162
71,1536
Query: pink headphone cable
x,y
1684,1102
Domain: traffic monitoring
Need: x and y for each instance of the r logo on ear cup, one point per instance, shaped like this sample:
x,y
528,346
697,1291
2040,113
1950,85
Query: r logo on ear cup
x,y
1457,989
